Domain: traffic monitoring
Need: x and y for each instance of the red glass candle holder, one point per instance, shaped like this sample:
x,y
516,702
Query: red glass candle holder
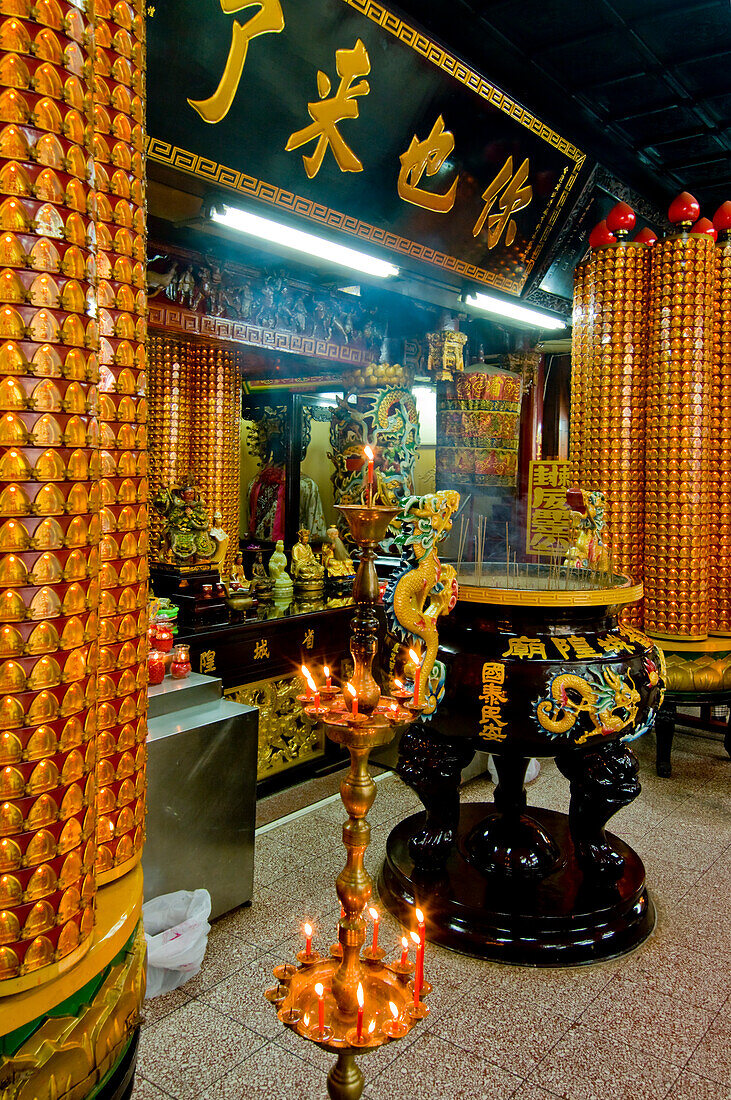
x,y
180,665
156,666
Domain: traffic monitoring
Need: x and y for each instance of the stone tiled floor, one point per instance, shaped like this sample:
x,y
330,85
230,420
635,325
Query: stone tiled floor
x,y
655,1025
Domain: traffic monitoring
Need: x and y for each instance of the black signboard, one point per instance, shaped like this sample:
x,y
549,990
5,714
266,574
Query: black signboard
x,y
344,114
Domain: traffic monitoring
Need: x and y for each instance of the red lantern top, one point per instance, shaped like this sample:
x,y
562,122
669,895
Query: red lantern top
x,y
684,208
600,235
621,218
705,225
722,217
646,236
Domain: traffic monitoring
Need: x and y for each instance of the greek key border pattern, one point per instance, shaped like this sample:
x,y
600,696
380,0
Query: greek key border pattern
x,y
239,332
471,79
165,153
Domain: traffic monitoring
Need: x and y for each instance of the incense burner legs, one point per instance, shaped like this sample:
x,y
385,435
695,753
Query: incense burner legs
x,y
432,766
603,780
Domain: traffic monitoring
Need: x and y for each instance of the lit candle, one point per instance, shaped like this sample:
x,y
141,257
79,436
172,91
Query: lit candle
x,y
361,1002
308,680
404,951
398,685
418,973
308,939
371,1027
354,694
370,456
328,677
417,675
376,920
422,945
393,1010
312,686
320,991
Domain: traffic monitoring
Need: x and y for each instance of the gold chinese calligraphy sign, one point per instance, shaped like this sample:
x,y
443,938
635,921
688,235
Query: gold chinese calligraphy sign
x,y
426,188
548,519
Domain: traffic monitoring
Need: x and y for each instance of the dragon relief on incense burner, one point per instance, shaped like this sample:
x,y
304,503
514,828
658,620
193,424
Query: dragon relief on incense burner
x,y
609,700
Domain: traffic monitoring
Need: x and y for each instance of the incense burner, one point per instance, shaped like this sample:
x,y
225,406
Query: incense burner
x,y
536,667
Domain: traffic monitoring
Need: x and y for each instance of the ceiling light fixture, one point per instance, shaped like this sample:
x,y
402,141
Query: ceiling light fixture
x,y
264,229
512,312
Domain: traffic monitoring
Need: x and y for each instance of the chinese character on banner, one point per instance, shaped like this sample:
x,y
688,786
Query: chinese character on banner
x,y
268,20
427,156
516,195
548,517
327,113
208,661
492,698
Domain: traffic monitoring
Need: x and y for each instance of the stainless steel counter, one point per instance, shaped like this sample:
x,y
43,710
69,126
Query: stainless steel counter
x,y
201,776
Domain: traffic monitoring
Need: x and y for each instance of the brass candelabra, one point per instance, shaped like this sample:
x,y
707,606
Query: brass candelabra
x,y
351,1000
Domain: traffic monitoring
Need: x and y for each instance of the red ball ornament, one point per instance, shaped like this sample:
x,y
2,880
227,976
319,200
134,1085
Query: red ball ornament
x,y
684,208
705,225
621,218
722,217
646,236
600,235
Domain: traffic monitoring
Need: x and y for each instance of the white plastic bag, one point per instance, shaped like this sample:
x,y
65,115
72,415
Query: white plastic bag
x,y
176,930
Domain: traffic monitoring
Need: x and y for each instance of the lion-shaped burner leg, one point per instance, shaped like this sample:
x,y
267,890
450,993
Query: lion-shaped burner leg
x,y
432,766
603,780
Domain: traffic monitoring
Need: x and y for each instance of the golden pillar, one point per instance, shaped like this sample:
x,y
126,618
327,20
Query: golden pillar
x,y
609,383
195,414
119,144
49,499
678,499
214,437
720,612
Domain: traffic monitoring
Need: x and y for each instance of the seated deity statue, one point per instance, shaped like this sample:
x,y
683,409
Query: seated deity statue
x,y
306,569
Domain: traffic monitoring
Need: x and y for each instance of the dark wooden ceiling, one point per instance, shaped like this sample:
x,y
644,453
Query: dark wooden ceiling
x,y
644,86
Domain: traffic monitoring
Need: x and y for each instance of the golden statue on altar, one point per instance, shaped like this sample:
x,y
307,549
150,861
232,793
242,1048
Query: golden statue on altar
x,y
185,524
307,572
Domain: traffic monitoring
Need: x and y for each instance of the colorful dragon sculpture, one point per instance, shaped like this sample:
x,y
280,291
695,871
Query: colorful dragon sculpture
x,y
609,701
424,588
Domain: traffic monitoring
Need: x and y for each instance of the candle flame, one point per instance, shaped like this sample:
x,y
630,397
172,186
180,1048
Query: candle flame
x,y
414,657
415,938
368,452
360,995
320,989
393,1010
308,930
404,943
419,916
308,677
399,685
326,670
373,912
371,1027
352,690
307,1019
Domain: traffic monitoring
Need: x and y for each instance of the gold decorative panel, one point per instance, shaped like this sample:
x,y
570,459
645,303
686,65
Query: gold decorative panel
x,y
285,738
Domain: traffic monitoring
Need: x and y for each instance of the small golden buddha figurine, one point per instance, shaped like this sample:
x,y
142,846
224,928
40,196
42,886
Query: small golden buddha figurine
x,y
238,575
260,580
307,572
335,557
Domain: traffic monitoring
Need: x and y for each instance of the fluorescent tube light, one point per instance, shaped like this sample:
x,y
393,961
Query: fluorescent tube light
x,y
276,233
489,304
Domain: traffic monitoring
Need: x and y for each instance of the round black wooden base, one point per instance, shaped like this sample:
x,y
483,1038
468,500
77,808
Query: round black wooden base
x,y
562,919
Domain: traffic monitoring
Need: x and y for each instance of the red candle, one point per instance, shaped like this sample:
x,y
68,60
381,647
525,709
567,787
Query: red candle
x,y
308,939
417,675
371,457
328,677
317,699
353,693
319,990
420,949
156,666
376,919
361,1002
419,971
308,680
404,951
